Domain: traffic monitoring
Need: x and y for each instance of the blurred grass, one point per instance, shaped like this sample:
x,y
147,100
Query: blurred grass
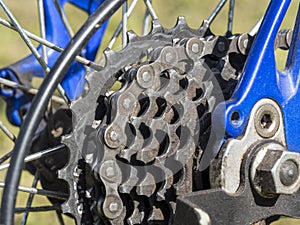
x,y
247,13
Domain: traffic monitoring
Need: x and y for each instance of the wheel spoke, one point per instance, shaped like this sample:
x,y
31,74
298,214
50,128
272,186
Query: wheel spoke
x,y
119,28
124,24
146,21
60,218
11,136
64,18
37,209
216,11
28,90
151,9
31,190
7,132
6,157
30,200
37,155
230,17
42,27
43,41
24,36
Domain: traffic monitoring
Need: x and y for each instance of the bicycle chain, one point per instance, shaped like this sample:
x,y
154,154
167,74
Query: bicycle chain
x,y
135,139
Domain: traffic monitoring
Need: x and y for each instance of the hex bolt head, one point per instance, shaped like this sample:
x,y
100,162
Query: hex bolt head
x,y
267,121
289,172
275,172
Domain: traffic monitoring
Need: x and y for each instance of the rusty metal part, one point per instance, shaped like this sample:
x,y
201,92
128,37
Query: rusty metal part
x,y
275,171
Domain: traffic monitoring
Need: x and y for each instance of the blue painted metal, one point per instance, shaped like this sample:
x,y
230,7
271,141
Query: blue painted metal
x,y
29,67
261,79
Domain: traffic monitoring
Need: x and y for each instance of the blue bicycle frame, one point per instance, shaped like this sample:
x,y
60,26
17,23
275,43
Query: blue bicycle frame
x,y
261,79
56,32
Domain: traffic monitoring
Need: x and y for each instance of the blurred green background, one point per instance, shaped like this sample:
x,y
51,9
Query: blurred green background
x,y
247,13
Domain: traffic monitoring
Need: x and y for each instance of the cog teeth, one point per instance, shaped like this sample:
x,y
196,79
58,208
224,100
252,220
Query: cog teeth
x,y
78,111
76,209
147,186
156,215
132,36
108,53
137,217
181,21
204,27
156,27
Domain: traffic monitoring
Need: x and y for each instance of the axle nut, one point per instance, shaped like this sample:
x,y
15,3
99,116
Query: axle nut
x,y
276,172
